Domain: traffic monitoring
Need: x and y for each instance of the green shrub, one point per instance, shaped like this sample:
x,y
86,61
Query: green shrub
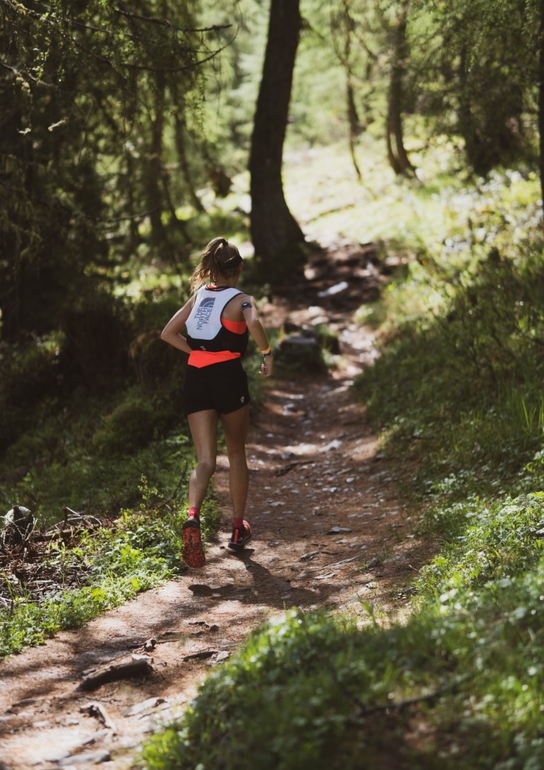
x,y
31,375
31,447
487,540
465,386
128,428
27,625
155,308
157,364
312,693
142,552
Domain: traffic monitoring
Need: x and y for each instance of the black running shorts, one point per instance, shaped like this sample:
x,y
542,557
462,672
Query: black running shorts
x,y
221,386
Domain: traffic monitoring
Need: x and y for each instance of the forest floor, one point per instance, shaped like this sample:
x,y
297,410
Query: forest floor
x,y
330,529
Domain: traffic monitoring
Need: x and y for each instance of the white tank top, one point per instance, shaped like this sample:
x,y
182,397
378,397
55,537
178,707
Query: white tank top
x,y
204,322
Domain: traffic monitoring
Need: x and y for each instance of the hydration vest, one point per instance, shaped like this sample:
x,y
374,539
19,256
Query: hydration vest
x,y
212,338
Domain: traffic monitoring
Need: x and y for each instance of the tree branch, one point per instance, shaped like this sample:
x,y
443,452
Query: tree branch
x,y
166,23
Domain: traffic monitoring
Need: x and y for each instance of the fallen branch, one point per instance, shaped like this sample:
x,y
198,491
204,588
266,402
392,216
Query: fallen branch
x,y
287,468
201,655
131,670
326,566
97,710
63,533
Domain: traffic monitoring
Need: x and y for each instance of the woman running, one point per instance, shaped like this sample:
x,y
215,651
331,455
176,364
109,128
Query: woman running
x,y
217,317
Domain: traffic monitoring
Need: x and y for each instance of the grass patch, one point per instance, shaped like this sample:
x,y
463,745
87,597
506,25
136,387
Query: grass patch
x,y
142,551
28,625
320,692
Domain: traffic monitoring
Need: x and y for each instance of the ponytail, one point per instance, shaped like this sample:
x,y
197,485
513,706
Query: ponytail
x,y
220,259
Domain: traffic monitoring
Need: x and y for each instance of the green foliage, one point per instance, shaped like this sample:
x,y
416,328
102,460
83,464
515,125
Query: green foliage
x,y
231,224
465,384
92,481
128,428
27,625
478,75
77,429
485,541
96,329
143,551
29,375
310,692
96,104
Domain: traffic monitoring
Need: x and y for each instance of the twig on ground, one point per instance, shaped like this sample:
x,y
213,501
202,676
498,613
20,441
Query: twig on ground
x,y
287,468
97,710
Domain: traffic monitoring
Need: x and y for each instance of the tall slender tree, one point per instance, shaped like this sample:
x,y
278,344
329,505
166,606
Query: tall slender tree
x,y
541,96
342,28
276,235
397,156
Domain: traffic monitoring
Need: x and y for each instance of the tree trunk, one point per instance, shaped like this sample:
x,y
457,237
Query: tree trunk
x,y
276,235
184,163
541,100
466,121
134,233
397,156
179,224
154,170
11,291
354,127
353,117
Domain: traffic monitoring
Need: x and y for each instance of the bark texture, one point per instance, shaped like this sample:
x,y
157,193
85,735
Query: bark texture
x,y
184,162
398,158
276,234
154,169
541,100
355,128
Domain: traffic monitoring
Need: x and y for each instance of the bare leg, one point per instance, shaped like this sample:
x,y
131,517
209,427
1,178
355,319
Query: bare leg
x,y
235,427
204,432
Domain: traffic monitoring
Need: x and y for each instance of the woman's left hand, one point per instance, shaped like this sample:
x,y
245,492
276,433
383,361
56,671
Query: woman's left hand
x,y
267,367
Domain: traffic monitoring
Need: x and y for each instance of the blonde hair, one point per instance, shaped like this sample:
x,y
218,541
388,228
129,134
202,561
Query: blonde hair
x,y
220,259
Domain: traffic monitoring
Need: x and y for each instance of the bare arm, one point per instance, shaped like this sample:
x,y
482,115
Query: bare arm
x,y
171,332
259,335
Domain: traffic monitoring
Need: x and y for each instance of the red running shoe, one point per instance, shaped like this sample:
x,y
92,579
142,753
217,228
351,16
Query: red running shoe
x,y
193,554
240,536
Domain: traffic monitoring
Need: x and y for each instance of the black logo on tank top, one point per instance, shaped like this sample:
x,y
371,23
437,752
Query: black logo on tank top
x,y
204,311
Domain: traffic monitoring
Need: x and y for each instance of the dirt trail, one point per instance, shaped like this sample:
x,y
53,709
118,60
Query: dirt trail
x,y
328,479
